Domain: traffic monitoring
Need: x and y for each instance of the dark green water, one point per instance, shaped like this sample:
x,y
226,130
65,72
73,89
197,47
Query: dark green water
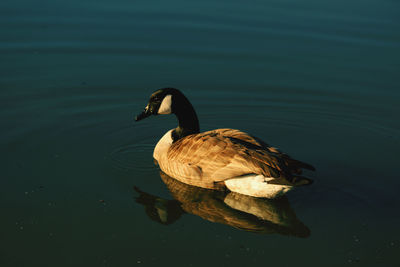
x,y
319,79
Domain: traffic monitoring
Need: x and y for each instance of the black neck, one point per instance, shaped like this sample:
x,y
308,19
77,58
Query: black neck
x,y
187,118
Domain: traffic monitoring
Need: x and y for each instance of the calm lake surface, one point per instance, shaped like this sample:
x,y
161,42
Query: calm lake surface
x,y
318,79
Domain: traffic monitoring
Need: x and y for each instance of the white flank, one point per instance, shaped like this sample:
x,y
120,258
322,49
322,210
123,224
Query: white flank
x,y
256,186
165,107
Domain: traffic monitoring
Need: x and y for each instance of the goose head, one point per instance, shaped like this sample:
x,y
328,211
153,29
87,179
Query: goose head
x,y
172,101
162,101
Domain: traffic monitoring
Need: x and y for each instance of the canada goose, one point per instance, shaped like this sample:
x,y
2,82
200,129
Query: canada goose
x,y
221,158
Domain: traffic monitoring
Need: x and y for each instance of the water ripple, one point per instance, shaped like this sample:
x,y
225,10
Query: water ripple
x,y
129,157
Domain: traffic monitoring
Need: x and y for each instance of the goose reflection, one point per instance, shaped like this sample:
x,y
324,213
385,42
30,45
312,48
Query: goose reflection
x,y
258,215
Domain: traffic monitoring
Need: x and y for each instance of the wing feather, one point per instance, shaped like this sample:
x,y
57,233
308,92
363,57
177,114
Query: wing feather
x,y
206,158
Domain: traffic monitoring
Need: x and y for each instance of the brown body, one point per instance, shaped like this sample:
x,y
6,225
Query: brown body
x,y
208,159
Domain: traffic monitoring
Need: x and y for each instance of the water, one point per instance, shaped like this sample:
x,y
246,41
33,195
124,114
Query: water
x,y
317,79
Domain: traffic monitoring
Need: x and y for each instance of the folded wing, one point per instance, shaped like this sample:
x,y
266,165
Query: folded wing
x,y
214,156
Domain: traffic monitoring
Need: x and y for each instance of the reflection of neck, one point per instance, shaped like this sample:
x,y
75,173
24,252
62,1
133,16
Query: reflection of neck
x,y
188,121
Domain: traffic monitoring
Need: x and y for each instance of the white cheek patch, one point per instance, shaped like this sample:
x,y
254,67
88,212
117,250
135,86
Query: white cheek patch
x,y
165,107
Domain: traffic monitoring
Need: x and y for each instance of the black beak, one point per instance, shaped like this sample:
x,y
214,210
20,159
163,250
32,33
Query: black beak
x,y
146,113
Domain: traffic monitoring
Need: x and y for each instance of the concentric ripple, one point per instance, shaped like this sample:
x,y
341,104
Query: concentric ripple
x,y
131,157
